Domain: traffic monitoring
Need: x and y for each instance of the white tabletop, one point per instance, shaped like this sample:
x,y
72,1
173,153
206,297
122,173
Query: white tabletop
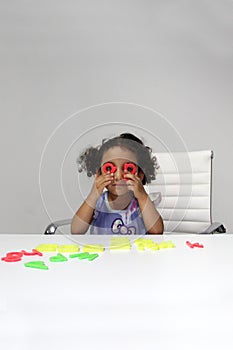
x,y
178,298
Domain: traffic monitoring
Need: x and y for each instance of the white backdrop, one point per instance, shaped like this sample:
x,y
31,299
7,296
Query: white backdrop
x,y
61,57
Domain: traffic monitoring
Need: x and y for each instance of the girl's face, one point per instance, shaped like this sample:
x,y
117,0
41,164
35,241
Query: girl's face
x,y
118,156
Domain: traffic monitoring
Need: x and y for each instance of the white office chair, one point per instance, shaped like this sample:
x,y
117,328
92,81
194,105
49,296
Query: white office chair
x,y
184,184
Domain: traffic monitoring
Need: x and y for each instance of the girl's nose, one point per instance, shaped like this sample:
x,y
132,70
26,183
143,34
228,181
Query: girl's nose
x,y
119,174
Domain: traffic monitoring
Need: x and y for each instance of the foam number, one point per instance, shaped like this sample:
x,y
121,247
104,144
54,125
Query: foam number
x,y
33,252
109,168
68,248
47,247
58,258
85,255
13,257
36,265
130,168
90,248
120,243
148,244
193,245
17,256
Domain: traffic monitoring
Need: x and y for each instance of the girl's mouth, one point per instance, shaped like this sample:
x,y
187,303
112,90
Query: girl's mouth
x,y
120,184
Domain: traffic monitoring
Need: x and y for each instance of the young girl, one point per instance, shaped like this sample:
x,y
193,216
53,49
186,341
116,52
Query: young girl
x,y
118,202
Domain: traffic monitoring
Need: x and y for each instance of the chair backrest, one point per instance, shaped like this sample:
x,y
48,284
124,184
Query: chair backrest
x,y
184,180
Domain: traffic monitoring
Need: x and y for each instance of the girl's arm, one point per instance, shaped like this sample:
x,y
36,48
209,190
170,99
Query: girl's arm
x,y
84,215
152,219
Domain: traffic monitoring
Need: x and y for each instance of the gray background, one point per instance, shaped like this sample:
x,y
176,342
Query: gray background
x,y
169,63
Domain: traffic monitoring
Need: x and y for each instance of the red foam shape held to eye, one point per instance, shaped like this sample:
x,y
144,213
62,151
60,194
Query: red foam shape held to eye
x,y
130,168
109,167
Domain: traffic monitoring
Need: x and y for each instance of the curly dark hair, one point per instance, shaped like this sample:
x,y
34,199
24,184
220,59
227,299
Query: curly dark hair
x,y
90,159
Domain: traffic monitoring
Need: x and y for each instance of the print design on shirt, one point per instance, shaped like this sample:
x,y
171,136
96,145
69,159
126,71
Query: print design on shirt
x,y
119,227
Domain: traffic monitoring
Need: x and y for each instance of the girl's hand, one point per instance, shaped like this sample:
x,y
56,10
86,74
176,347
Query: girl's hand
x,y
134,183
101,181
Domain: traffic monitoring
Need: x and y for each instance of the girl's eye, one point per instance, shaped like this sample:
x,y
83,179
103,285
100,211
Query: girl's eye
x,y
130,167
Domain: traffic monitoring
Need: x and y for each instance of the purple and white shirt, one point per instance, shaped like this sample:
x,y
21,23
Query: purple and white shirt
x,y
109,221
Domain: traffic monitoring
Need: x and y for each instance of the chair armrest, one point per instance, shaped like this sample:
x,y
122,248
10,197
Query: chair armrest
x,y
51,228
215,227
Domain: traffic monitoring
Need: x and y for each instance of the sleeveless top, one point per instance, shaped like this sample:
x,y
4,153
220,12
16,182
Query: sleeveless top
x,y
109,221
